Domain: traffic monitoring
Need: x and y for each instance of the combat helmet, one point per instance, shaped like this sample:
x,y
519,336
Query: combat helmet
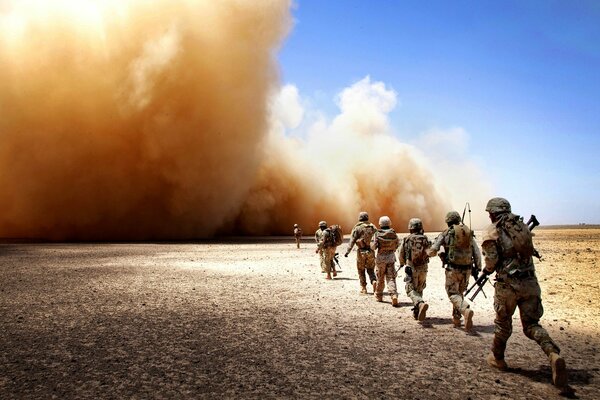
x,y
415,225
385,222
498,205
453,218
363,216
322,224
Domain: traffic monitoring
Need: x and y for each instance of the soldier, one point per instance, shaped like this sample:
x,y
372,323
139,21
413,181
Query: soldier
x,y
318,237
361,234
297,235
507,250
460,252
413,254
326,247
385,241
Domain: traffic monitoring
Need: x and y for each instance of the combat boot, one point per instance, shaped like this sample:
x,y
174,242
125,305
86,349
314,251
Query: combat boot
x,y
334,272
496,363
468,313
422,311
394,301
559,370
363,289
328,276
379,297
456,321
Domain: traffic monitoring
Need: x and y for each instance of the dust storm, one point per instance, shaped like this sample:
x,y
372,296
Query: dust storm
x,y
133,120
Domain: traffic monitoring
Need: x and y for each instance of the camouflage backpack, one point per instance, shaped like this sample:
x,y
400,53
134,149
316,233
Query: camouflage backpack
x,y
367,231
459,243
520,235
387,239
417,246
335,237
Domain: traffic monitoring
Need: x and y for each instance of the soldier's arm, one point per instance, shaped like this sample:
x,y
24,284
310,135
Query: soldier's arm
x,y
435,247
490,251
401,255
353,238
476,254
374,242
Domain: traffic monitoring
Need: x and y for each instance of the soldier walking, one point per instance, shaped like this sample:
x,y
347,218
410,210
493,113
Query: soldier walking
x,y
461,257
326,247
297,235
361,235
413,254
507,250
385,241
318,237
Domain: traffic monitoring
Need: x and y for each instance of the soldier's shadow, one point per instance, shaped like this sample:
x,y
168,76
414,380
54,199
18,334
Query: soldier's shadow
x,y
338,278
430,323
544,374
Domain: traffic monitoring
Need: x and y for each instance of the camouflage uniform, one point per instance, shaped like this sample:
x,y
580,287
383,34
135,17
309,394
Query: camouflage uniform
x,y
417,281
516,286
297,235
457,275
386,242
318,238
327,248
361,235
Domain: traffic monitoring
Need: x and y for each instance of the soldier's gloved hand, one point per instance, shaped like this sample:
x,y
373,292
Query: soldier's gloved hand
x,y
475,273
346,254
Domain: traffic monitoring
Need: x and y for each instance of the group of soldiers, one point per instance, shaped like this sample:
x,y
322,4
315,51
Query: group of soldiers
x,y
507,250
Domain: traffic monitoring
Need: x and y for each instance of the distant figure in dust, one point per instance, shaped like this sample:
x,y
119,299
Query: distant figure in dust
x,y
362,233
461,257
297,235
413,254
385,241
318,237
326,247
507,250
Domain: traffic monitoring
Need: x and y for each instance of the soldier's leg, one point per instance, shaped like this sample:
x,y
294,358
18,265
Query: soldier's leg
x,y
531,310
380,269
360,266
328,260
322,258
370,267
505,303
390,278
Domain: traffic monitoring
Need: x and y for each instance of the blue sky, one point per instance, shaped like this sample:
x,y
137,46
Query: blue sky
x,y
522,78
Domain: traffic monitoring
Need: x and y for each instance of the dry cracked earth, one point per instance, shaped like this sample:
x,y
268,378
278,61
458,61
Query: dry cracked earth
x,y
256,319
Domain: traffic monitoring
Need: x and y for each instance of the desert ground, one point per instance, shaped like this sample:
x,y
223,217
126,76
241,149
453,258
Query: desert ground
x,y
255,318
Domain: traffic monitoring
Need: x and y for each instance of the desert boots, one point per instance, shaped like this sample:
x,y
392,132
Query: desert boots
x,y
559,370
496,363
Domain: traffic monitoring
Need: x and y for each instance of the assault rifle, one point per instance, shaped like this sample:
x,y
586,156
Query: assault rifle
x,y
337,261
532,223
482,280
480,283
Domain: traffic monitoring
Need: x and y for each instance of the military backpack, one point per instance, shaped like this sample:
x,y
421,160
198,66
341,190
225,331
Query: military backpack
x,y
459,245
416,248
520,236
335,237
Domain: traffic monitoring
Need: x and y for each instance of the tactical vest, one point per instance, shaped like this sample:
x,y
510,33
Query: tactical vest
x,y
459,245
415,248
387,240
365,232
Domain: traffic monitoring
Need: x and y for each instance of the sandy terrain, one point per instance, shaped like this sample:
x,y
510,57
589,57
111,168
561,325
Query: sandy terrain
x,y
256,319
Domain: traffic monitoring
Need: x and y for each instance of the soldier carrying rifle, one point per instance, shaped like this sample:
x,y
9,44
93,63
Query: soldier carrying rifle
x,y
508,251
460,258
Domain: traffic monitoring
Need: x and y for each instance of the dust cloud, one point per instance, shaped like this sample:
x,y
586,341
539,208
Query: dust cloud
x,y
319,168
133,120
